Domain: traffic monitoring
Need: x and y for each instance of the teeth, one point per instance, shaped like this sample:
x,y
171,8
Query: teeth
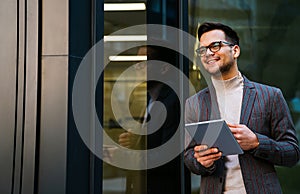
x,y
211,61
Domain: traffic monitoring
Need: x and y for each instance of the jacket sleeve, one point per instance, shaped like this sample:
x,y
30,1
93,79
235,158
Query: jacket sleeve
x,y
191,163
281,147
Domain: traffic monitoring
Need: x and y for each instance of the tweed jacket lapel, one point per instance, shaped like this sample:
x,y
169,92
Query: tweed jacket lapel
x,y
249,95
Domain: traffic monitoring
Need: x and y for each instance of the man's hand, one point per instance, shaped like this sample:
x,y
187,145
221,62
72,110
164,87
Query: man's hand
x,y
244,136
128,139
206,156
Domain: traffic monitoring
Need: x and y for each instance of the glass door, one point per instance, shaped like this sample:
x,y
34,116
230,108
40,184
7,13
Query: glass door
x,y
142,112
124,89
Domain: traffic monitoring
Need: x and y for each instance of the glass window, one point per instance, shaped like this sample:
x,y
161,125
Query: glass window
x,y
130,99
120,87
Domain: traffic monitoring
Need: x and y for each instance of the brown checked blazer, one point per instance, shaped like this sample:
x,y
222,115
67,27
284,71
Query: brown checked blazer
x,y
266,113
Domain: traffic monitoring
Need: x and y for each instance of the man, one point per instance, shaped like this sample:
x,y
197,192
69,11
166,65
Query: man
x,y
256,114
166,178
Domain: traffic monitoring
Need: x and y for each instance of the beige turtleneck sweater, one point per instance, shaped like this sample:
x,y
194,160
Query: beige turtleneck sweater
x,y
229,96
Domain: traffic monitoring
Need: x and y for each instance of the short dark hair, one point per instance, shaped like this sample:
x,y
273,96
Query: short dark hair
x,y
161,54
230,34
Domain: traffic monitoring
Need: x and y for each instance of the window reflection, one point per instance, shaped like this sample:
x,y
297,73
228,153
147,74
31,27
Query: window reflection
x,y
114,179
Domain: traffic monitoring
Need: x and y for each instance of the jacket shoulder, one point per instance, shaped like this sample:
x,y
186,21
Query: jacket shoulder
x,y
198,95
260,87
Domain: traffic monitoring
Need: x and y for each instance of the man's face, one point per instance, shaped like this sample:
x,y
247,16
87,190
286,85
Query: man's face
x,y
222,62
141,67
150,68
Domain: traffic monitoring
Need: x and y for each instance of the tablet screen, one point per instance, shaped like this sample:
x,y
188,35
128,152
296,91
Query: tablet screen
x,y
214,133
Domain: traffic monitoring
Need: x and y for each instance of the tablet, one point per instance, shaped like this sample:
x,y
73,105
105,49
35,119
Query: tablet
x,y
214,133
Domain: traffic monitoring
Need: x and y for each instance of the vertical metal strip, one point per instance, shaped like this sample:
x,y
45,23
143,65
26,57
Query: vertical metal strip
x,y
39,97
183,26
92,99
97,25
19,109
29,97
16,97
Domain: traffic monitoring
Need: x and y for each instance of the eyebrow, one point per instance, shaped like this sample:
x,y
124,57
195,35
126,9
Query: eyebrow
x,y
213,42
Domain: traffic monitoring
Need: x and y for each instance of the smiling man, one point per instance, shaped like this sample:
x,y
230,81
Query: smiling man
x,y
256,114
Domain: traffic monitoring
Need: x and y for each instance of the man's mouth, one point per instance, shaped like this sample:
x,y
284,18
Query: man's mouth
x,y
210,61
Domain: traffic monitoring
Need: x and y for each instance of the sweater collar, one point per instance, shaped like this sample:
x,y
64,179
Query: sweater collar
x,y
229,84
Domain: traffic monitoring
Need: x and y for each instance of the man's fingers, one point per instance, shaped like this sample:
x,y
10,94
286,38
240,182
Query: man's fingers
x,y
200,148
237,136
204,152
206,156
208,160
123,141
124,135
125,144
211,156
230,125
234,125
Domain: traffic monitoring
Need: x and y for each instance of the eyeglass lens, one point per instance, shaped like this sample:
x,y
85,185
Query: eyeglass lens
x,y
213,47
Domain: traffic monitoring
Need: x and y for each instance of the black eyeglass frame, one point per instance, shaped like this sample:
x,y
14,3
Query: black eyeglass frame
x,y
201,51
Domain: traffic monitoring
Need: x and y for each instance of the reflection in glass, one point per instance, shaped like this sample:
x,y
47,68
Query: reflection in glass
x,y
114,179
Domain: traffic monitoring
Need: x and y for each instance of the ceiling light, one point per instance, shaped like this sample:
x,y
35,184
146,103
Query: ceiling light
x,y
128,58
123,38
124,6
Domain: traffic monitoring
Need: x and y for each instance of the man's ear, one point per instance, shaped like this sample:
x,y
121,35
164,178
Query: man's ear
x,y
236,51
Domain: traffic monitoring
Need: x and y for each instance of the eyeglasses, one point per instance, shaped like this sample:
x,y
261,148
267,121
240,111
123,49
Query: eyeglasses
x,y
213,47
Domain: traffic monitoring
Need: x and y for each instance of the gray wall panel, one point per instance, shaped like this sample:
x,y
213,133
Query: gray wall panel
x,y
54,97
8,58
53,137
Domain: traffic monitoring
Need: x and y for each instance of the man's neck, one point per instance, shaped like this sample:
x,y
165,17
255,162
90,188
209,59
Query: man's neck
x,y
226,75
